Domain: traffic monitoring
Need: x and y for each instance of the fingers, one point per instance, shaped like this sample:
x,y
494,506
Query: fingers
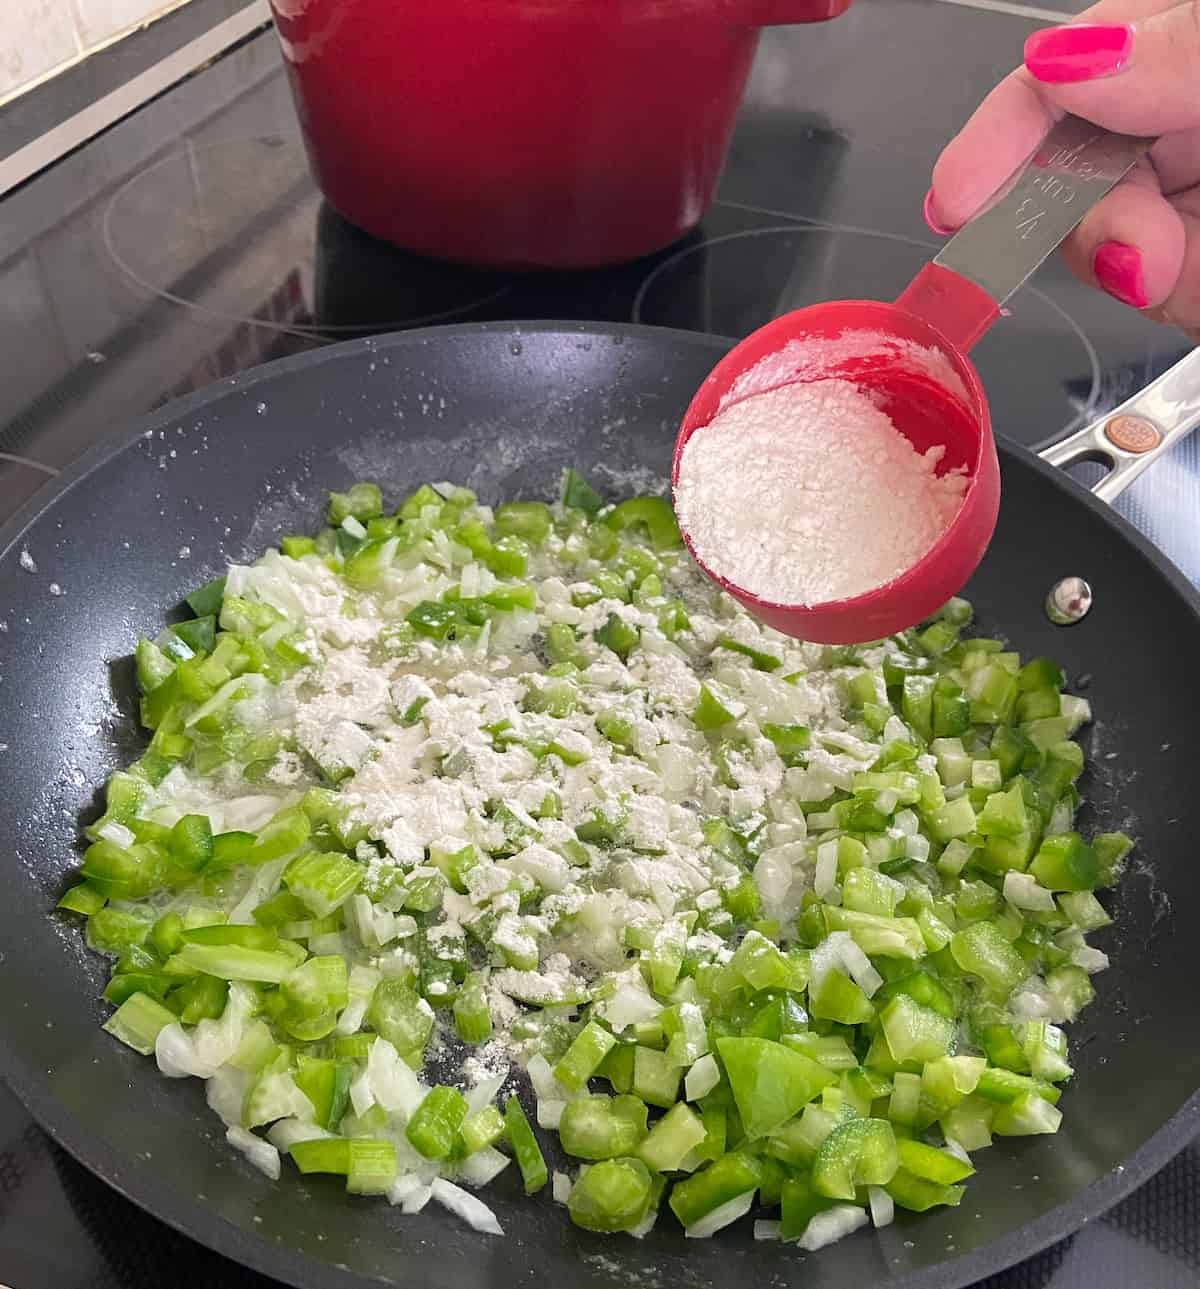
x,y
1132,244
1176,161
1007,127
1131,66
1182,306
999,138
1136,78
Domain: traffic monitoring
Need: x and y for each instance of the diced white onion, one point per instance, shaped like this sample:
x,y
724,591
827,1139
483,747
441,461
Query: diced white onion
x,y
473,1211
265,882
645,1226
883,1207
953,1148
481,1167
859,966
832,1225
468,581
560,1187
244,686
351,1019
273,635
1078,711
720,1217
249,813
210,1044
856,747
354,527
775,876
986,774
700,1080
1091,960
895,731
176,1054
361,1096
677,768
284,1133
916,847
417,1200
1023,891
825,877
116,834
403,926
225,1092
392,1083
764,1230
276,1096
215,1041
1070,939
545,1085
260,1153
550,871
484,1092
405,1185
359,914
549,1113
1032,1001
630,1003
838,949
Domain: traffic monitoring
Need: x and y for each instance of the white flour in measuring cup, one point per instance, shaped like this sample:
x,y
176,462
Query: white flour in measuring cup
x,y
808,493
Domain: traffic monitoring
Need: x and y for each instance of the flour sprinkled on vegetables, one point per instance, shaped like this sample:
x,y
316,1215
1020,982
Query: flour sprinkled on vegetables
x,y
465,835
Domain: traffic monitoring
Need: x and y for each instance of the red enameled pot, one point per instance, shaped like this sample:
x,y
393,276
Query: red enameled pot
x,y
523,134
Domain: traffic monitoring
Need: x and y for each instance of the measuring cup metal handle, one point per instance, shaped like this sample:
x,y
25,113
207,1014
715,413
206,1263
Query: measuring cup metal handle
x,y
1134,435
962,291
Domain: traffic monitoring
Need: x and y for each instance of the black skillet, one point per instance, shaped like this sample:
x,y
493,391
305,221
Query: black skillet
x,y
220,475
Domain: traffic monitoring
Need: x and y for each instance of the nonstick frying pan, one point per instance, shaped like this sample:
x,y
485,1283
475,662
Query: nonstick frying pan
x,y
220,475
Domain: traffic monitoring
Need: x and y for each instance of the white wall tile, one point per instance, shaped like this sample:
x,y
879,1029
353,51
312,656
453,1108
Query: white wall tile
x,y
97,20
35,35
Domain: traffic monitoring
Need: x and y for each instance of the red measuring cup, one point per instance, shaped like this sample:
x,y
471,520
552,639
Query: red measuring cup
x,y
912,356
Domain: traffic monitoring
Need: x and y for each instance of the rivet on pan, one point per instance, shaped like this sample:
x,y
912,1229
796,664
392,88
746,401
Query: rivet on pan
x,y
1069,601
1133,434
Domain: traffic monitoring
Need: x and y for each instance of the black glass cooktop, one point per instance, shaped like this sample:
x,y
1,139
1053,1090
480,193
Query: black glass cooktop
x,y
188,243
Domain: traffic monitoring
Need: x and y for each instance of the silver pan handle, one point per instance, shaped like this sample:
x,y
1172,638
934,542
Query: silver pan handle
x,y
1137,433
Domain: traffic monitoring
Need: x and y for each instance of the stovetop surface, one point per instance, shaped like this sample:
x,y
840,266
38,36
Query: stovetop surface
x,y
188,242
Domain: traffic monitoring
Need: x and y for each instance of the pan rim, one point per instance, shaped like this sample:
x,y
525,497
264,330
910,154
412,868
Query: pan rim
x,y
232,1241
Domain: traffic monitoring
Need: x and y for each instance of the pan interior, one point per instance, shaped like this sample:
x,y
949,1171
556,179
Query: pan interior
x,y
224,474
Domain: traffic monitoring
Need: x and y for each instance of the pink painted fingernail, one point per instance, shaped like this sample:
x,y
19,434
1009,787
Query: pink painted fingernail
x,y
1082,51
931,219
1118,269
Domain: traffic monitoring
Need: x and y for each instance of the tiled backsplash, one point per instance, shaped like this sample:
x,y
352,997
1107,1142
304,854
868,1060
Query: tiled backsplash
x,y
38,37
64,301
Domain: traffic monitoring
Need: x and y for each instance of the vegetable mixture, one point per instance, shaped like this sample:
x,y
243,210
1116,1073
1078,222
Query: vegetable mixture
x,y
448,793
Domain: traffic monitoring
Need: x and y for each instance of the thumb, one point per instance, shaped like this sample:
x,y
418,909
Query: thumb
x,y
1135,78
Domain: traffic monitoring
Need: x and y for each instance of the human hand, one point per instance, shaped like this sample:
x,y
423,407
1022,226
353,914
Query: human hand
x,y
1129,65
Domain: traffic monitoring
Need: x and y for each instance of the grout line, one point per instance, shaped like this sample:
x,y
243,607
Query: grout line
x,y
69,134
165,9
84,52
1055,16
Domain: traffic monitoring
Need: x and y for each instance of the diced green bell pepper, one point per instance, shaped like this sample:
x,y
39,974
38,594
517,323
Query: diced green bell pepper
x,y
770,1081
1065,862
613,1195
602,1127
982,950
526,1151
722,1181
861,1152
